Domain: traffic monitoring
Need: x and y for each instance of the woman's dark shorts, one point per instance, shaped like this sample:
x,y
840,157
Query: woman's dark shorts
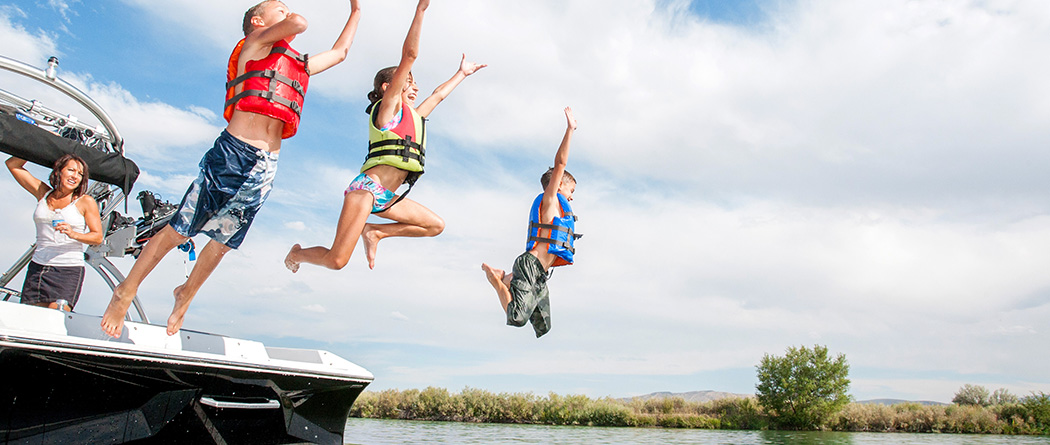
x,y
47,284
530,300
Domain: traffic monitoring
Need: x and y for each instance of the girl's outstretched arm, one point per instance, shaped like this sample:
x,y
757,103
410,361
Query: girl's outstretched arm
x,y
399,80
442,91
327,59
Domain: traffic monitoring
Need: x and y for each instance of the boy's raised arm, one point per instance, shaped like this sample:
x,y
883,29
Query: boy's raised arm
x,y
292,25
561,159
327,59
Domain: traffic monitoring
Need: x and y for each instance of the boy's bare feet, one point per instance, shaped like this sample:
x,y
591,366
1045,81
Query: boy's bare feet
x,y
289,262
113,319
182,303
368,236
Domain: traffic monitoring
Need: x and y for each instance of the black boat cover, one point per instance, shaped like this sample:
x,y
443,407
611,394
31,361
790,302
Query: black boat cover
x,y
42,147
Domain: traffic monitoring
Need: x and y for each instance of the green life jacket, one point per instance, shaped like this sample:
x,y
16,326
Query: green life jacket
x,y
403,146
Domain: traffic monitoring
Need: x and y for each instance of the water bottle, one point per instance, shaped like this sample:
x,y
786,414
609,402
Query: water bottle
x,y
57,219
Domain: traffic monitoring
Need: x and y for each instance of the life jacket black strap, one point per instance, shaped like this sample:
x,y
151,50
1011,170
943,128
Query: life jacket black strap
x,y
288,52
268,95
565,244
405,152
268,74
555,242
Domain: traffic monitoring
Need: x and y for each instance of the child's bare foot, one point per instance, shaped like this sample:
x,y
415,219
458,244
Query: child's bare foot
x,y
182,303
292,264
494,275
113,319
371,241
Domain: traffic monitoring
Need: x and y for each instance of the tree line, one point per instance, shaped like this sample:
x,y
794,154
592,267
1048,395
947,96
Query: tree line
x,y
806,389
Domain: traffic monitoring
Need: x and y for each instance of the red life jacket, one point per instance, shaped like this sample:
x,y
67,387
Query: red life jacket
x,y
273,86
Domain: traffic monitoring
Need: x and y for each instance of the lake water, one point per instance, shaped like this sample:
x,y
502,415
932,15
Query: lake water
x,y
374,431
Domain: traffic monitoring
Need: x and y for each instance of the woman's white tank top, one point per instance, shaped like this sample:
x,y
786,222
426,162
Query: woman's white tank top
x,y
53,248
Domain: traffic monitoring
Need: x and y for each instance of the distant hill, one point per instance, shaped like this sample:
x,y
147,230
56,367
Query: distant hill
x,y
692,396
899,401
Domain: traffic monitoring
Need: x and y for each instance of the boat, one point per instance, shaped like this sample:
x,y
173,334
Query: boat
x,y
66,381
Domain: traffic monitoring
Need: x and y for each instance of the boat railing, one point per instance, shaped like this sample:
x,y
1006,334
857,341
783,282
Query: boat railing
x,y
49,77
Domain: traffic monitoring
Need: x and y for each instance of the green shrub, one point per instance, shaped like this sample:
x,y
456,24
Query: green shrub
x,y
1037,407
970,419
739,414
608,413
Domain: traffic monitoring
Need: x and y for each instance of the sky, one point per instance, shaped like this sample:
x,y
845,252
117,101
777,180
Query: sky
x,y
751,176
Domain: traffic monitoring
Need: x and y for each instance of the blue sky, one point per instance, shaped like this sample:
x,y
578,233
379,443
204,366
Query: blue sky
x,y
752,176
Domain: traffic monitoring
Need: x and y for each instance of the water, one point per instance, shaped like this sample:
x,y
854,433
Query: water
x,y
373,431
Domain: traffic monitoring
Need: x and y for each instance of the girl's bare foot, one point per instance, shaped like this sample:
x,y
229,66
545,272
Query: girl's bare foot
x,y
368,236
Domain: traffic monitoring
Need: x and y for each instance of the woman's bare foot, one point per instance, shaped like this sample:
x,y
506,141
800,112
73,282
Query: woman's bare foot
x,y
113,319
182,303
371,240
289,262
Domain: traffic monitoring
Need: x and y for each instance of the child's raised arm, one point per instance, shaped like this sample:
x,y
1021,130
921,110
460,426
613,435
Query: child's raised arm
x,y
293,24
319,62
561,159
442,91
392,96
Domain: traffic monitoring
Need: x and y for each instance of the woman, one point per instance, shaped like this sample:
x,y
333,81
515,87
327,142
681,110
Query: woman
x,y
66,219
396,154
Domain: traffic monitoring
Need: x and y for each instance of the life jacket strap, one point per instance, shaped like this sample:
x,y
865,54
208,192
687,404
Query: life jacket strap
x,y
565,244
268,74
404,152
555,242
268,95
288,52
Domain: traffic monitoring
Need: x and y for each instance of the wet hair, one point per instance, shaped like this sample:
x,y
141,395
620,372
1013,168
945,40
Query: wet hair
x,y
250,14
384,75
56,174
546,178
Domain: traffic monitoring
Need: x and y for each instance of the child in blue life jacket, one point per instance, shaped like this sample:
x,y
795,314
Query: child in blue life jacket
x,y
396,155
266,82
523,292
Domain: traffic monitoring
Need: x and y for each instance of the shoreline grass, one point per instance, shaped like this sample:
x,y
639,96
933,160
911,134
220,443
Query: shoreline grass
x,y
1030,416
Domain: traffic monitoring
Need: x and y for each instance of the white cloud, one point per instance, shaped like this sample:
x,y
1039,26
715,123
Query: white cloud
x,y
316,308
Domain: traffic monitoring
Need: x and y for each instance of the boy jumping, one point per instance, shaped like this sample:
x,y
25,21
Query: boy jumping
x,y
523,293
266,83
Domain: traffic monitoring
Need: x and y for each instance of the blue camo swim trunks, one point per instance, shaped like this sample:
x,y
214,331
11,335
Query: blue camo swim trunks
x,y
382,198
235,180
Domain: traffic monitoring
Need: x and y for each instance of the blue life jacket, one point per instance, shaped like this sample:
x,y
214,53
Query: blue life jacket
x,y
562,231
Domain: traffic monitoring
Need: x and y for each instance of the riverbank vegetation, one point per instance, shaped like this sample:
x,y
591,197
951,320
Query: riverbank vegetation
x,y
1028,415
806,389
